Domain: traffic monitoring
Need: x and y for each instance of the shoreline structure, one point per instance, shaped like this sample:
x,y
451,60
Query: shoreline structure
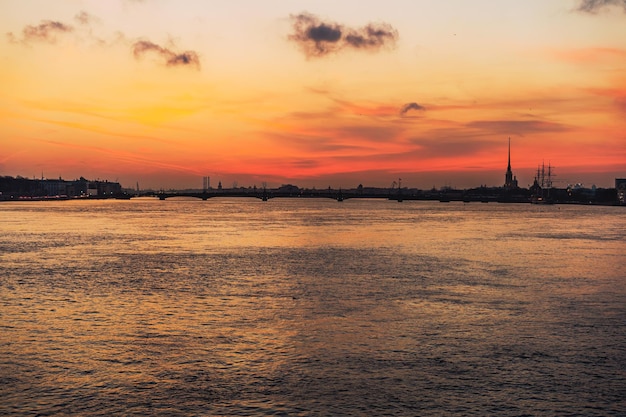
x,y
21,189
541,192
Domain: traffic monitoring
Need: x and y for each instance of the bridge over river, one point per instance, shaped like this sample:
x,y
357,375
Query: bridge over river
x,y
341,195
265,195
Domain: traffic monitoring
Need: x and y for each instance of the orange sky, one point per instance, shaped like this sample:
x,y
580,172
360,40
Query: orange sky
x,y
314,93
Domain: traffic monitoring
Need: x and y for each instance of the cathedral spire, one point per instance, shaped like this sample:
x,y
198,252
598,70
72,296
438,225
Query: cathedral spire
x,y
509,166
509,180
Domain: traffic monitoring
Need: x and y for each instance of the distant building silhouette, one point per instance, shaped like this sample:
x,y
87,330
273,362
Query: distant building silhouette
x,y
23,187
620,186
510,181
289,188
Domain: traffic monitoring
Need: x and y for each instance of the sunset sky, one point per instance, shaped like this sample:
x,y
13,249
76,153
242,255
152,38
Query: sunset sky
x,y
314,93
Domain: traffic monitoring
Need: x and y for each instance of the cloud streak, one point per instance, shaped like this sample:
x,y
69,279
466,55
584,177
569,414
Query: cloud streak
x,y
46,31
589,55
594,6
617,94
411,106
519,127
317,38
172,59
448,143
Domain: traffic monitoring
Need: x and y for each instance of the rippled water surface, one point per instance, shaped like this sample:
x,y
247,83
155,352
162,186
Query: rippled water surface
x,y
311,307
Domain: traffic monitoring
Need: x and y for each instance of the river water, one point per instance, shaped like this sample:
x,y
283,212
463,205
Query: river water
x,y
311,307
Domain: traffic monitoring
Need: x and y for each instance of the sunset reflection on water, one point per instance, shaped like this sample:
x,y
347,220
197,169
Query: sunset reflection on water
x,y
310,307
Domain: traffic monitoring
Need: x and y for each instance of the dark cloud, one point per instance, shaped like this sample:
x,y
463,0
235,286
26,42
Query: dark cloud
x,y
314,37
317,38
324,33
372,36
411,106
593,6
171,58
46,31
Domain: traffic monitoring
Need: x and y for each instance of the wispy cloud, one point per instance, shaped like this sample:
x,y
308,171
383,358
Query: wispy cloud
x,y
448,143
46,31
365,134
84,18
372,36
617,94
317,38
120,156
589,55
518,127
411,106
594,6
187,58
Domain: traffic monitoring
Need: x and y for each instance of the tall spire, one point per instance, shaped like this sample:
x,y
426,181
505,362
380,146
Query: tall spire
x,y
509,166
509,180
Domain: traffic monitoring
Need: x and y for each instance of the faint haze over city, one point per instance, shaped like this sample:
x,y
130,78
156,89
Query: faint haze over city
x,y
313,93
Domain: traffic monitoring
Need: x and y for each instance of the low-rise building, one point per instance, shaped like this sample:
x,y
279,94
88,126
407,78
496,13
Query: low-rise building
x,y
620,186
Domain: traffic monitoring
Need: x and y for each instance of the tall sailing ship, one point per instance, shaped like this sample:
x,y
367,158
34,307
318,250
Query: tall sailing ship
x,y
543,185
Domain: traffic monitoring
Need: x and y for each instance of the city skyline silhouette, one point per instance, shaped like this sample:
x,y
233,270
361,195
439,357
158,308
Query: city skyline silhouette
x,y
318,94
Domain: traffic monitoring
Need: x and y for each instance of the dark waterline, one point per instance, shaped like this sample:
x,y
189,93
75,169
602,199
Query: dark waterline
x,y
311,308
